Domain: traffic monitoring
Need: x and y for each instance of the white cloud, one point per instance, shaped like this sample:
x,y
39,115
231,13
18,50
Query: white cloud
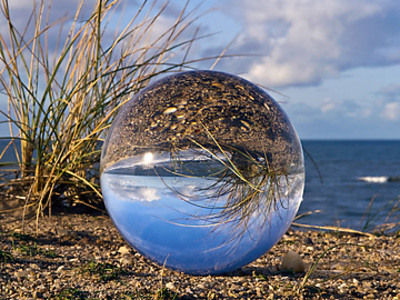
x,y
147,194
389,102
126,190
302,42
328,105
338,109
337,119
391,111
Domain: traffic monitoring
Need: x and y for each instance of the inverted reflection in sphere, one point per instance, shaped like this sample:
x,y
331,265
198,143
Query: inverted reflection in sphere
x,y
202,171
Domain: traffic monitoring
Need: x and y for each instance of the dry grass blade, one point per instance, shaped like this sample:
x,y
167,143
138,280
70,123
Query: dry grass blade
x,y
387,216
334,228
62,98
239,189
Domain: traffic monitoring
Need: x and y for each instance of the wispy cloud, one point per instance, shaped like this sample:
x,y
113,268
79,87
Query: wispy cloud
x,y
391,111
336,118
389,102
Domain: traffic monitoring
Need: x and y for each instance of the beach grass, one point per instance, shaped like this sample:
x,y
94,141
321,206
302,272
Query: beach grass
x,y
63,97
387,217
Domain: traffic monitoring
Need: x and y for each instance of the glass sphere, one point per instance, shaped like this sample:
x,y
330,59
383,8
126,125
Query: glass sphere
x,y
202,172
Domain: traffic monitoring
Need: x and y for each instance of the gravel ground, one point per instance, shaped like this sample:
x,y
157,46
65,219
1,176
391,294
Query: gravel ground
x,y
82,256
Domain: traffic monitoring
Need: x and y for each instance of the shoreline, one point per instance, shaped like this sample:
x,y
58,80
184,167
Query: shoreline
x,y
82,256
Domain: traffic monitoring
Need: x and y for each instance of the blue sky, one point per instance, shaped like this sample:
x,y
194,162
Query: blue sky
x,y
335,64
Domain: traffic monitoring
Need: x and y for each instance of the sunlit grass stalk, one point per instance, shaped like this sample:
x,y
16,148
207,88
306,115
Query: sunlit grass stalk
x,y
62,99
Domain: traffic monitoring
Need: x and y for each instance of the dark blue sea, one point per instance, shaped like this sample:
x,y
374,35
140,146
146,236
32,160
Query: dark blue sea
x,y
354,184
343,179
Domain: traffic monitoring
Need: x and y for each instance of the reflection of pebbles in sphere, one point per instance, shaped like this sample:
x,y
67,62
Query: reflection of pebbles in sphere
x,y
202,171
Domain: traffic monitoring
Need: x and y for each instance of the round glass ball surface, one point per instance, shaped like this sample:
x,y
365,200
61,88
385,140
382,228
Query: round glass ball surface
x,y
202,172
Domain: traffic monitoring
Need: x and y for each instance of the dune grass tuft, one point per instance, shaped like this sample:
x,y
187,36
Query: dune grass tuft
x,y
61,98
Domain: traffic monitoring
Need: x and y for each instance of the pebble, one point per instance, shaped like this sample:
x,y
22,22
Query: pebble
x,y
126,261
42,277
59,269
124,250
21,274
292,262
170,110
34,266
201,286
170,286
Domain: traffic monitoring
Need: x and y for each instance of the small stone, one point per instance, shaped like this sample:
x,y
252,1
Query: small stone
x,y
201,286
124,250
21,274
34,266
59,269
125,261
170,286
170,110
292,262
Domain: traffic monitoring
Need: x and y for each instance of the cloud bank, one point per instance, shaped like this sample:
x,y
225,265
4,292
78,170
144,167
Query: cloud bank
x,y
292,44
302,42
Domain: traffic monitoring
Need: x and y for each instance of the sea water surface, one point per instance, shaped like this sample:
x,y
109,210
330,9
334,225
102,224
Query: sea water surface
x,y
351,174
346,178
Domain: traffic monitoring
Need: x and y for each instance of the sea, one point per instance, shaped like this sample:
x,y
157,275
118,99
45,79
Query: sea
x,y
349,183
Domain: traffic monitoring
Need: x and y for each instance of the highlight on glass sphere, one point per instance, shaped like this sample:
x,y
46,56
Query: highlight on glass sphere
x,y
202,172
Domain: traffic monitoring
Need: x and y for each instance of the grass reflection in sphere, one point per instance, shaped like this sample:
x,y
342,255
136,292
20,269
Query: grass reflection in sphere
x,y
202,171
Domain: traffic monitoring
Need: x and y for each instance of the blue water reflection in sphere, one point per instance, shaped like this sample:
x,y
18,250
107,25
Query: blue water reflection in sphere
x,y
202,171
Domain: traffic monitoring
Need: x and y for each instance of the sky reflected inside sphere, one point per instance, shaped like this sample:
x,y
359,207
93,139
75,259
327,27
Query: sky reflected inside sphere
x,y
155,216
202,172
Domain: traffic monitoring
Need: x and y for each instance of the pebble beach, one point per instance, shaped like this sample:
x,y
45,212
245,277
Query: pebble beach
x,y
82,256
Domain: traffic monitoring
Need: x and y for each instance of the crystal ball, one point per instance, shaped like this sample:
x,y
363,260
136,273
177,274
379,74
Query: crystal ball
x,y
202,172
